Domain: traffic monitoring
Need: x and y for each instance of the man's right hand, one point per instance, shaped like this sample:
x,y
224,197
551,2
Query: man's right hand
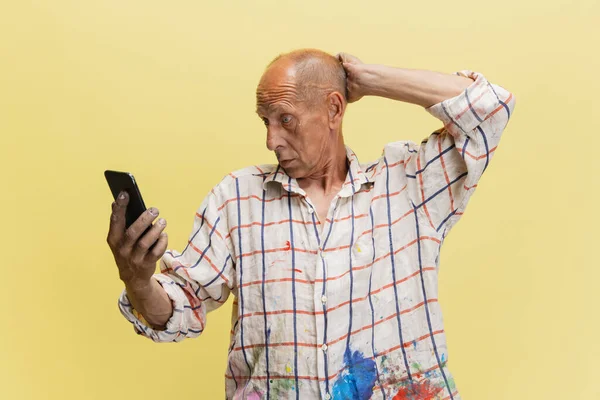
x,y
136,255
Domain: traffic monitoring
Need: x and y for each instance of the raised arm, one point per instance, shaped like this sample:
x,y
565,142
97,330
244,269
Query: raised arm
x,y
443,171
421,87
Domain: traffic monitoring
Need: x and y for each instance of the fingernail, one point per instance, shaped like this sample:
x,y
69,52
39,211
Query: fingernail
x,y
153,211
122,195
161,221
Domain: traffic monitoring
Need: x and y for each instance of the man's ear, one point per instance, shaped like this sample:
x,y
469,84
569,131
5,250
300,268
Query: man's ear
x,y
336,106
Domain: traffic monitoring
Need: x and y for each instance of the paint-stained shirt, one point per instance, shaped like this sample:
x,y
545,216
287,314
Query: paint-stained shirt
x,y
346,307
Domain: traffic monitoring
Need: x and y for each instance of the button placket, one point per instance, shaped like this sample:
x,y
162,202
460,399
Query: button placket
x,y
321,298
309,206
311,217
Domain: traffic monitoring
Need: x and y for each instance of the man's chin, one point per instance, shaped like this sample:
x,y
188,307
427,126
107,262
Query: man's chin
x,y
290,172
293,172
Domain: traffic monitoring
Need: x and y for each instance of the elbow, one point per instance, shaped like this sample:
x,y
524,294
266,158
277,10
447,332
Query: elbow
x,y
506,99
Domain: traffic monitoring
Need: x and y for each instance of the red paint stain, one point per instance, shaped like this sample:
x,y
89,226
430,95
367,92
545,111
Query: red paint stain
x,y
418,391
288,246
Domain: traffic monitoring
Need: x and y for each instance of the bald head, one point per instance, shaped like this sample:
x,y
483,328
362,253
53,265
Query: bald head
x,y
315,73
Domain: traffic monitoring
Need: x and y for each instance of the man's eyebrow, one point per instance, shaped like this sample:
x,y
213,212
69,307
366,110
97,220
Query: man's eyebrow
x,y
270,108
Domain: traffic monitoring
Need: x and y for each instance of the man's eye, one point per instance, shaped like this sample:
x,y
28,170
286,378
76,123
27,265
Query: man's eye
x,y
286,119
265,121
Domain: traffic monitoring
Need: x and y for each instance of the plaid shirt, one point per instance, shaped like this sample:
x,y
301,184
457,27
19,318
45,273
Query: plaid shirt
x,y
345,308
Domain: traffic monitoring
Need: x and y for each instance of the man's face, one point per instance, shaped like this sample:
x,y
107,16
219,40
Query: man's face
x,y
298,133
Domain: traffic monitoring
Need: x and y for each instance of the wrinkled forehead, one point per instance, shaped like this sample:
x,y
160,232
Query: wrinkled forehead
x,y
277,88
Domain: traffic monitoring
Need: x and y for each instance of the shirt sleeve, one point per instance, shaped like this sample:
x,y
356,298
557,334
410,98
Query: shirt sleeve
x,y
444,170
197,280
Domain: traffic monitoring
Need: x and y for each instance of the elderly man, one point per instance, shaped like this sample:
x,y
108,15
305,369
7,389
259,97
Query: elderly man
x,y
333,263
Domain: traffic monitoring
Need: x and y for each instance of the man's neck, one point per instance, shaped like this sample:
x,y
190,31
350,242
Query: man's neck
x,y
331,176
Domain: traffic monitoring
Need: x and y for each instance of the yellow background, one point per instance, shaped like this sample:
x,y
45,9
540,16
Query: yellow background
x,y
165,90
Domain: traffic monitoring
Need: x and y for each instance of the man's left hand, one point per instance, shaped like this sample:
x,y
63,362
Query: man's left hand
x,y
354,71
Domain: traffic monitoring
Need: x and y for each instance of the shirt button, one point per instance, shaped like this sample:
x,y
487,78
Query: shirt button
x,y
327,396
324,347
323,299
310,210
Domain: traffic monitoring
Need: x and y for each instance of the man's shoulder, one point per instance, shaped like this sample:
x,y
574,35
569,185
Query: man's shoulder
x,y
399,147
391,150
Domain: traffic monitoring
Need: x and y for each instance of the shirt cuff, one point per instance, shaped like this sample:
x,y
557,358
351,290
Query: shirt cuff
x,y
173,326
462,113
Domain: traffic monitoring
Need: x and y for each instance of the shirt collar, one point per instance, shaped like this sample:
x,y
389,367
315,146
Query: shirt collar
x,y
355,178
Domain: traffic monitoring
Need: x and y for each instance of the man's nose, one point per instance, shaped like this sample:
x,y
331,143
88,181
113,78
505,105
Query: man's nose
x,y
274,139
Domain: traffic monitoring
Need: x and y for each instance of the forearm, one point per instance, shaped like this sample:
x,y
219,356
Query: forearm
x,y
152,302
421,87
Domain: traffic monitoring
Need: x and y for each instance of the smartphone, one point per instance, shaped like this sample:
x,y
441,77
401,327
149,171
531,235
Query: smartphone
x,y
124,181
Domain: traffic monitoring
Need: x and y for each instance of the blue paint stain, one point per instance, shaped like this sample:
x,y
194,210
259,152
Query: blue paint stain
x,y
357,378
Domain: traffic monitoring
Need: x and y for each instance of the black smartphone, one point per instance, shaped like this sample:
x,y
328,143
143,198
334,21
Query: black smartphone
x,y
124,181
